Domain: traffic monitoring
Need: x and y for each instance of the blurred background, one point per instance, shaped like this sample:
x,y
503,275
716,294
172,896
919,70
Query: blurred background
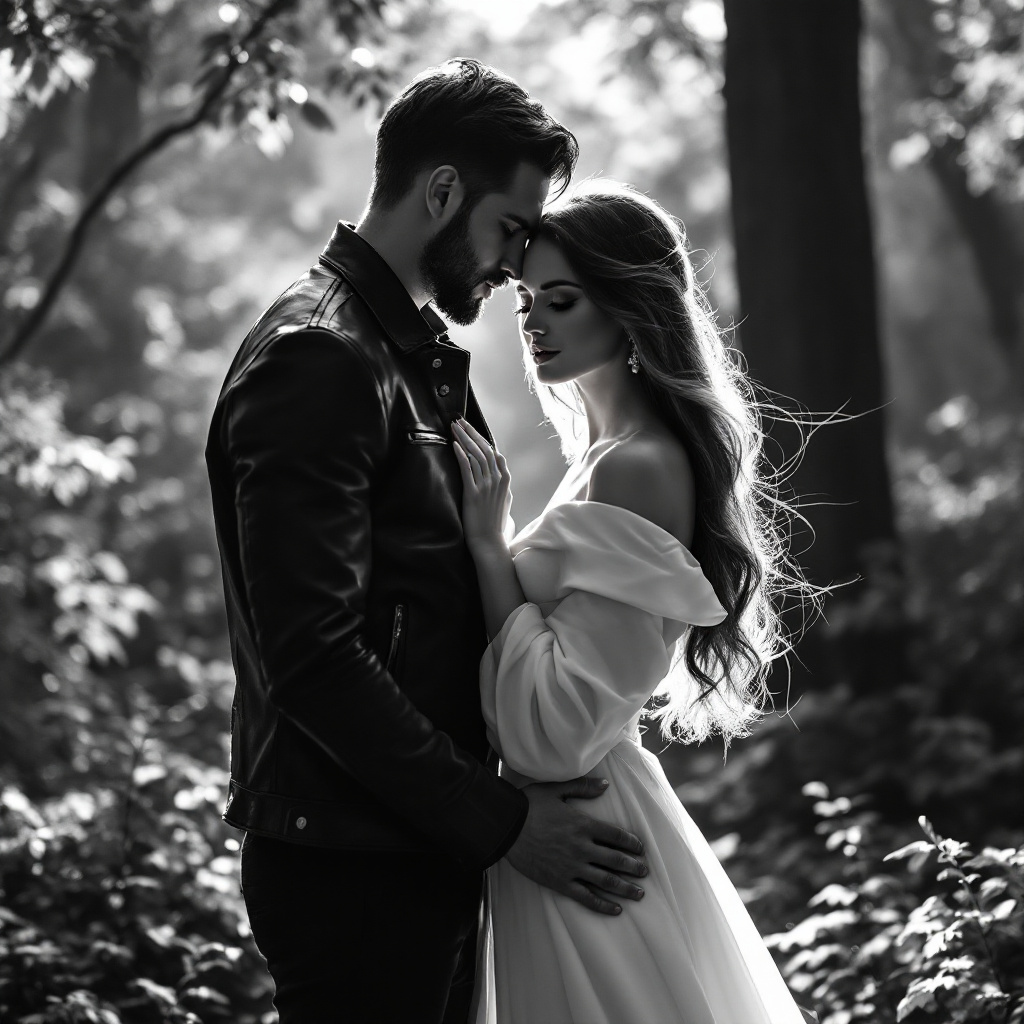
x,y
850,177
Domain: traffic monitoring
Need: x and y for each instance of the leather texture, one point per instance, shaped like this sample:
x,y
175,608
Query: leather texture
x,y
353,608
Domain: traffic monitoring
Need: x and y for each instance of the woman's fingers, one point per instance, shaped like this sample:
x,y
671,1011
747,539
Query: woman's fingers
x,y
473,432
483,457
469,449
482,444
467,466
470,446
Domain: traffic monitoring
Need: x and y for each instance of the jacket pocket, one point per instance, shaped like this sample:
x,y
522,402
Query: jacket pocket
x,y
397,634
419,435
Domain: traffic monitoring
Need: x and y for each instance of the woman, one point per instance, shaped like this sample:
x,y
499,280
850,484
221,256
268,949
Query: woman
x,y
599,603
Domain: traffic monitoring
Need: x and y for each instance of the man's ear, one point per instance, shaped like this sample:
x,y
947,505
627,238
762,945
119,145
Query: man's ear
x,y
444,193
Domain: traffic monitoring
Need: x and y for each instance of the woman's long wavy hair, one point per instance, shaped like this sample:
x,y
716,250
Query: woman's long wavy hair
x,y
632,260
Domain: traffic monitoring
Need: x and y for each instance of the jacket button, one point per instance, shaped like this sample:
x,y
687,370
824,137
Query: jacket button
x,y
436,364
443,390
300,822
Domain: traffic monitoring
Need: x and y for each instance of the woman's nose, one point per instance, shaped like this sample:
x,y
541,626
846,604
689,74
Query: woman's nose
x,y
532,325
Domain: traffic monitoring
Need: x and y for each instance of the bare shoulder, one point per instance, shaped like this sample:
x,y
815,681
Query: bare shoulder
x,y
649,474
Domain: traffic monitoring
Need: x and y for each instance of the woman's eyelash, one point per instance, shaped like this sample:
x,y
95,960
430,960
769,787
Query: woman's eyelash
x,y
557,306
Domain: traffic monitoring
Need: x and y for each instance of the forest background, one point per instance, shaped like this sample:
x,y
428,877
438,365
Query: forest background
x,y
850,176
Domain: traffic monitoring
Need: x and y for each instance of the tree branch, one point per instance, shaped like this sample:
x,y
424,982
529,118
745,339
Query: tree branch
x,y
34,320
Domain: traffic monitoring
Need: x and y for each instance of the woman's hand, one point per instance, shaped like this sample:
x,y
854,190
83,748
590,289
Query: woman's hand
x,y
486,494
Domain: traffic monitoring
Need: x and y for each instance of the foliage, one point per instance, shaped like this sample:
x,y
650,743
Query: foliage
x,y
116,872
942,739
121,898
119,901
977,92
274,51
649,36
250,75
879,946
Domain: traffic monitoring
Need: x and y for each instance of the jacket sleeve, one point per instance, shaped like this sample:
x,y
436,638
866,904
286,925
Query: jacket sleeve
x,y
558,691
305,432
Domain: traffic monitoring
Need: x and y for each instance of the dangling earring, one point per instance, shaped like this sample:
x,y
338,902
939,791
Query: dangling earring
x,y
634,357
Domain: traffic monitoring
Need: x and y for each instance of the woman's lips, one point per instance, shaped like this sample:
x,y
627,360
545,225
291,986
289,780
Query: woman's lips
x,y
541,355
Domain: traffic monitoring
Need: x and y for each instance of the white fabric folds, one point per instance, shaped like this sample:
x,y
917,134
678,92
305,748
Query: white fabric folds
x,y
567,673
563,685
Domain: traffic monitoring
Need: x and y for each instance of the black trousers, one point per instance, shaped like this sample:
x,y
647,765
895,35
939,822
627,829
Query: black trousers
x,y
362,937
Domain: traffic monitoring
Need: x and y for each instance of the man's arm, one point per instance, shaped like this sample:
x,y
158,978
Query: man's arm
x,y
305,432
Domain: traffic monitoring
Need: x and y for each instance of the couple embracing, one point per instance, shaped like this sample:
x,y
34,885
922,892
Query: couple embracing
x,y
435,754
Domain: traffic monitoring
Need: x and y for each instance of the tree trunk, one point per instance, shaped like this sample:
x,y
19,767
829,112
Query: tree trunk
x,y
805,265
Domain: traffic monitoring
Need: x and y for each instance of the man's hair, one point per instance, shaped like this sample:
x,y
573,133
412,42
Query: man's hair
x,y
480,121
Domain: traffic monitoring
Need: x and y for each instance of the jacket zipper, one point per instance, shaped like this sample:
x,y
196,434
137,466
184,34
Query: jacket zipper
x,y
396,636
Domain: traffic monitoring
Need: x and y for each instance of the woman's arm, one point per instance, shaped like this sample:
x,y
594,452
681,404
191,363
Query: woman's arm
x,y
556,691
487,498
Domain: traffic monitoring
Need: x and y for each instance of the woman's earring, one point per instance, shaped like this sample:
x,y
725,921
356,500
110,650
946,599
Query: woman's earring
x,y
634,357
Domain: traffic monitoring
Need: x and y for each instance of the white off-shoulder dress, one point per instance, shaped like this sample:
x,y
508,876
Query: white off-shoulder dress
x,y
563,685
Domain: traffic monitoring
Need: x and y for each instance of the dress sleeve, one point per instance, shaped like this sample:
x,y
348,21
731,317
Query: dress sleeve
x,y
558,691
558,688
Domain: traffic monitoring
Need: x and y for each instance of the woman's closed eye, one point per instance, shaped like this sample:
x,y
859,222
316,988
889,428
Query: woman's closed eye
x,y
553,304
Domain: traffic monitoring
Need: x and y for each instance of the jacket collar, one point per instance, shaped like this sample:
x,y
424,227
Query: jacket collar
x,y
379,287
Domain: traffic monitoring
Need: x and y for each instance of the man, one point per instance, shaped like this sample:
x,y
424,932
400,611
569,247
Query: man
x,y
358,747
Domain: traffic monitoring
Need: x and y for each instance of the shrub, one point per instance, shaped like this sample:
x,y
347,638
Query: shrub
x,y
892,940
118,897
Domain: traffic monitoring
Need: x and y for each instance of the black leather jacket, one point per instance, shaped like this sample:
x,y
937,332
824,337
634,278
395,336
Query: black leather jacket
x,y
353,607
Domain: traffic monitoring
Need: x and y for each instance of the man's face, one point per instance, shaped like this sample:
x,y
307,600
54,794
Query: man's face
x,y
482,246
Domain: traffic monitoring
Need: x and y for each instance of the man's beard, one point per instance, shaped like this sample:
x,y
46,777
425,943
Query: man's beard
x,y
451,271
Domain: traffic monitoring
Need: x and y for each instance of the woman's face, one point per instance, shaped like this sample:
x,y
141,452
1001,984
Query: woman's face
x,y
565,334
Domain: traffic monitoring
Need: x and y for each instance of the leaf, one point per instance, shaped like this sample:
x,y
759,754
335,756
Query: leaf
x,y
142,882
813,958
315,116
817,790
928,829
160,993
834,896
1003,910
918,846
162,935
205,994
921,995
147,773
991,887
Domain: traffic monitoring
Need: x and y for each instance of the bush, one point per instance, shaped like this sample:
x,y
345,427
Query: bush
x,y
118,891
882,945
119,906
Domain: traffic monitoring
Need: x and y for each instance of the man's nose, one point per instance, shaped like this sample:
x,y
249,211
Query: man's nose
x,y
512,259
